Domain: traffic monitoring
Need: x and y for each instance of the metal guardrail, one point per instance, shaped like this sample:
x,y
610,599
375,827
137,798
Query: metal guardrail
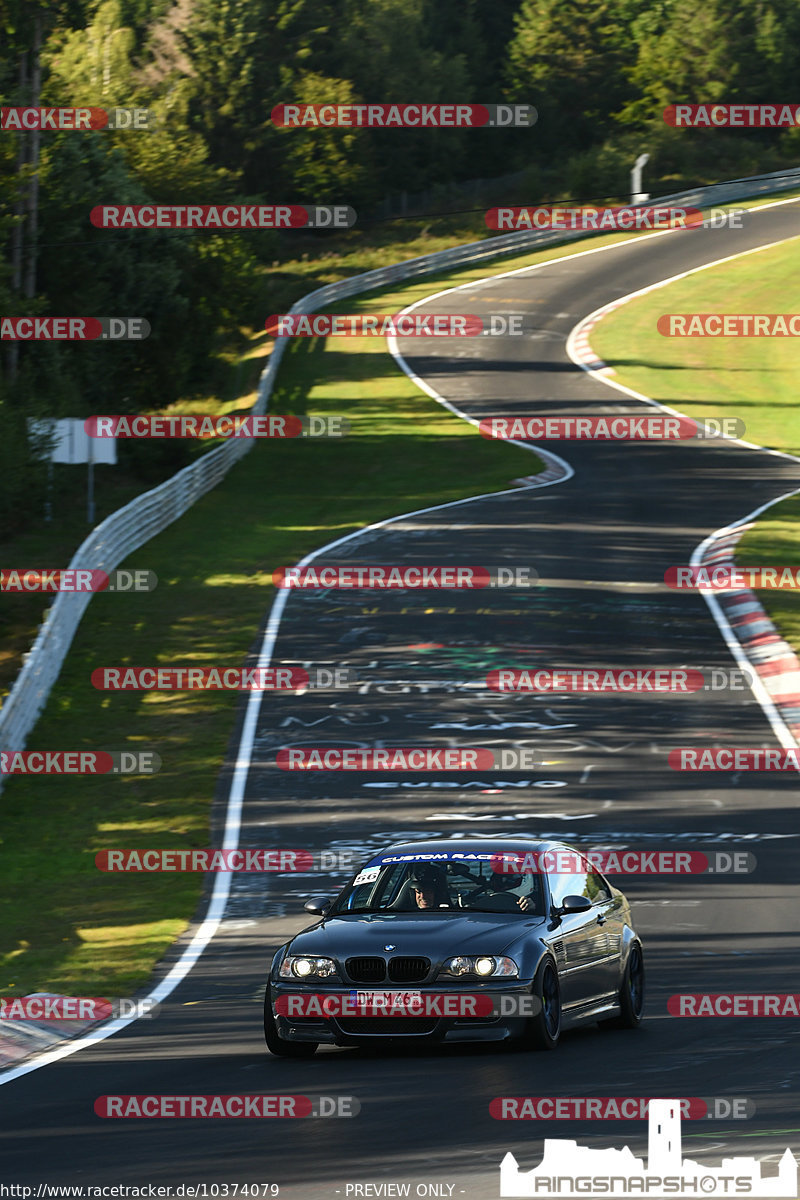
x,y
125,530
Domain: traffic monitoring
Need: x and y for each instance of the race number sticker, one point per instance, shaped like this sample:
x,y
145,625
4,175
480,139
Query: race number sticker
x,y
369,875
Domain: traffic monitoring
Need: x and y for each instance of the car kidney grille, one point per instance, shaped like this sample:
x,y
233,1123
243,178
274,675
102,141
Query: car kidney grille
x,y
387,1026
366,970
408,970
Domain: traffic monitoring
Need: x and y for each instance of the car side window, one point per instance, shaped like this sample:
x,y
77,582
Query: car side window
x,y
596,887
379,893
567,883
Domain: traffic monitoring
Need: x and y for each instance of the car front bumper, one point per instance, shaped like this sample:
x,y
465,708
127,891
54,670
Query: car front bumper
x,y
513,1006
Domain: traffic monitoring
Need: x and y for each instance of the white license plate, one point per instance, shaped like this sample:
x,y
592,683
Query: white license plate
x,y
360,997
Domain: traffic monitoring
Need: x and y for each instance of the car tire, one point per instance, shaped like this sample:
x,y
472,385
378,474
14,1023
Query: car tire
x,y
544,1029
631,992
278,1045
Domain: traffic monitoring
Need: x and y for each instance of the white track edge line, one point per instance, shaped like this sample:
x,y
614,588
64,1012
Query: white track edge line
x,y
221,891
211,922
776,721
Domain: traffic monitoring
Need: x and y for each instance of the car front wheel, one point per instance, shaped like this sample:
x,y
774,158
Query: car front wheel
x,y
278,1045
544,1028
631,993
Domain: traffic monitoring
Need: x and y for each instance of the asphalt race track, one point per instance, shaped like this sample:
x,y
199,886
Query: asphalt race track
x,y
600,543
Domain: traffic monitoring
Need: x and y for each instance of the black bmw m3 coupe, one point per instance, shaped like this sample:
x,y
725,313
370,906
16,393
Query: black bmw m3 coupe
x,y
456,941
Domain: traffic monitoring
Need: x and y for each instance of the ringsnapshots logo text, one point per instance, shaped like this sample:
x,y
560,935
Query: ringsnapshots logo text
x,y
569,1170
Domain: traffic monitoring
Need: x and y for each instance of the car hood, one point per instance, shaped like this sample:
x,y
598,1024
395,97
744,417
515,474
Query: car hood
x,y
433,935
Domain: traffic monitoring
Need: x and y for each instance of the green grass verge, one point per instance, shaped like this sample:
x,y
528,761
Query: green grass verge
x,y
54,544
65,925
349,253
750,378
774,541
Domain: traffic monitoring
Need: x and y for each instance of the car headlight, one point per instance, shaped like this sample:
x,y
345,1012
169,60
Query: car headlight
x,y
304,966
483,965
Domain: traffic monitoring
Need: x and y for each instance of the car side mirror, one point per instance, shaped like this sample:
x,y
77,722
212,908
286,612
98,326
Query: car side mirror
x,y
575,904
317,906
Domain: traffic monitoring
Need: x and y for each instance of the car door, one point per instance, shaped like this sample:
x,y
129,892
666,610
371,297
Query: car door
x,y
605,933
575,940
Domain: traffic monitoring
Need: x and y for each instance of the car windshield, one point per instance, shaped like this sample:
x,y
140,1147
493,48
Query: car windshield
x,y
441,886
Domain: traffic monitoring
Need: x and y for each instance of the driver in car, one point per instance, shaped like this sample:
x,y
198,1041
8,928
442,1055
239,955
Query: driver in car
x,y
429,887
527,901
512,885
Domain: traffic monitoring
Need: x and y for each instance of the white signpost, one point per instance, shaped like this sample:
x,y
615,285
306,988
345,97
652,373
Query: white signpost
x,y
70,443
637,195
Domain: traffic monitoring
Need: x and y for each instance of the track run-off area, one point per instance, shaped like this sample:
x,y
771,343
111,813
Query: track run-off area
x,y
600,541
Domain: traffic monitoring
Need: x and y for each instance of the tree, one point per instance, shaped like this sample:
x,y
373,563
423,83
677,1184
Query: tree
x,y
571,59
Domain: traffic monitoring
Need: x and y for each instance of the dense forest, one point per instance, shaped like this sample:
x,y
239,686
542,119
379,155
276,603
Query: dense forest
x,y
600,73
